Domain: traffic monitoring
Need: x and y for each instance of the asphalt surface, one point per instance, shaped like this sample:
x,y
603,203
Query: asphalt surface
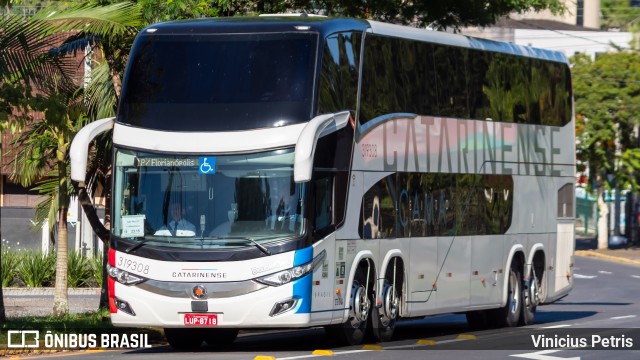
x,y
602,303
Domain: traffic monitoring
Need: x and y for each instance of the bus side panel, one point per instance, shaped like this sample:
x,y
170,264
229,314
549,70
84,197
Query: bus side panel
x,y
487,256
421,275
322,293
454,256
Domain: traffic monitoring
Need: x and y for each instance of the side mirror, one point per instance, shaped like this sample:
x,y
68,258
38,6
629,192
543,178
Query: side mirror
x,y
306,146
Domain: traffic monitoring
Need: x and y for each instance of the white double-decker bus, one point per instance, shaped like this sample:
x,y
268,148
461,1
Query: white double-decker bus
x,y
297,172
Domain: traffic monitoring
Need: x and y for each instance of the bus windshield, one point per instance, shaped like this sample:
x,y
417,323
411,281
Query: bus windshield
x,y
207,201
219,82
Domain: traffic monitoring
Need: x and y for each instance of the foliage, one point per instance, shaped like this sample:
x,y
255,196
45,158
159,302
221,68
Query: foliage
x,y
9,264
619,14
83,271
37,269
96,268
79,268
435,13
607,104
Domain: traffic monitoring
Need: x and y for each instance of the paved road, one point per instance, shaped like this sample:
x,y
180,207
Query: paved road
x,y
604,302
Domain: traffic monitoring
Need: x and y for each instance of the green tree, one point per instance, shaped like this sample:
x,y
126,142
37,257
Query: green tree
x,y
44,154
435,13
607,104
619,14
45,145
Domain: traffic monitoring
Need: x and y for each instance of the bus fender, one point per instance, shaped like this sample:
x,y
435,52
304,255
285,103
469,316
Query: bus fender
x,y
362,255
529,265
505,284
383,270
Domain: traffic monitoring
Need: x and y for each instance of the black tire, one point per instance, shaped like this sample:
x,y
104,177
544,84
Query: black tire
x,y
220,337
478,319
184,339
530,296
509,314
352,331
382,327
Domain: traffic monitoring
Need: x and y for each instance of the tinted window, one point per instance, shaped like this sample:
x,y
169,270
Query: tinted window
x,y
219,82
437,205
397,76
452,81
339,73
404,76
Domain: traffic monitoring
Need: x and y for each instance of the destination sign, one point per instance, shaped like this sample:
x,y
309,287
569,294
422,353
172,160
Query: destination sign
x,y
155,161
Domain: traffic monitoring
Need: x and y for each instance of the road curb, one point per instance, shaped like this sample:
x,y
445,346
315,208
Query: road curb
x,y
607,257
25,291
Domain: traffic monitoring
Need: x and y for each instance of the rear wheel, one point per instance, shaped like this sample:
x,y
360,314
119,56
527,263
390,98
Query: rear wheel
x,y
531,298
184,339
352,331
220,337
383,320
509,314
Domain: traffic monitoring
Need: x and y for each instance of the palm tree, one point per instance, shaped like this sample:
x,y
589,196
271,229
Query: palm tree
x,y
24,63
24,60
43,153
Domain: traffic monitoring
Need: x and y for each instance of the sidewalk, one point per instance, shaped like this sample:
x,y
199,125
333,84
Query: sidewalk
x,y
20,302
626,254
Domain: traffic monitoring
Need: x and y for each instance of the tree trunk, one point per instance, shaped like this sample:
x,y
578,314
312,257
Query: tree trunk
x,y
60,295
603,211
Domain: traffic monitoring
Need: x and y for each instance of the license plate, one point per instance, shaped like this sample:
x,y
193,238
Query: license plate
x,y
200,319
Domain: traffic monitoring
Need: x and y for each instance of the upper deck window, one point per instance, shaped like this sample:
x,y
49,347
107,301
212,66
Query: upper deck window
x,y
219,82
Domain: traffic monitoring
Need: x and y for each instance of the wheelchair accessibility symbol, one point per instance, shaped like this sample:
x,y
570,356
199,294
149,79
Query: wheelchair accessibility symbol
x,y
207,165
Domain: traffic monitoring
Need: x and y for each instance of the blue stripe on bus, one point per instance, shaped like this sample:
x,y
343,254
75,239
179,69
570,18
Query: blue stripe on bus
x,y
302,291
303,256
302,286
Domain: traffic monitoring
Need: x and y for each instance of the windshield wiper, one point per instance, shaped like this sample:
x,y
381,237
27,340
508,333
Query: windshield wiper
x,y
142,243
245,238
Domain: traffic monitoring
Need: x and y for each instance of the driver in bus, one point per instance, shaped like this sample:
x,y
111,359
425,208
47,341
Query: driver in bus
x,y
178,226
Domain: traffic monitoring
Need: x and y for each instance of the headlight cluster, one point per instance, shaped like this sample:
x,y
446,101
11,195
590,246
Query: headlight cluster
x,y
123,277
287,276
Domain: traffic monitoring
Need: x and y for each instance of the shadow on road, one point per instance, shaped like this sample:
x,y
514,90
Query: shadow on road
x,y
544,317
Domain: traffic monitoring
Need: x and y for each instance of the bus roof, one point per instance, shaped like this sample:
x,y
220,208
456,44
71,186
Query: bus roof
x,y
444,38
328,25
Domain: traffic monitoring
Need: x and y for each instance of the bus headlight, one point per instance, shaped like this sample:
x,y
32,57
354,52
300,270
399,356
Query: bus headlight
x,y
287,276
123,277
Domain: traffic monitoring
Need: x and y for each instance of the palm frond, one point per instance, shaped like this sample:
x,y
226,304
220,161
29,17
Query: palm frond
x,y
32,154
47,209
101,93
24,51
111,20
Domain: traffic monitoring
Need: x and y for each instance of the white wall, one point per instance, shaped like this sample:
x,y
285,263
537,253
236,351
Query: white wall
x,y
570,42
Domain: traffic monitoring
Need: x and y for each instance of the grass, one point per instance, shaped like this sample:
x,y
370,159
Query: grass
x,y
88,323
9,263
37,269
33,269
79,270
96,269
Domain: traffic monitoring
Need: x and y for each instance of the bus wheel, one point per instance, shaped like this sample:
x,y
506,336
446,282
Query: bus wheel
x,y
531,298
383,319
220,337
184,339
353,330
509,314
